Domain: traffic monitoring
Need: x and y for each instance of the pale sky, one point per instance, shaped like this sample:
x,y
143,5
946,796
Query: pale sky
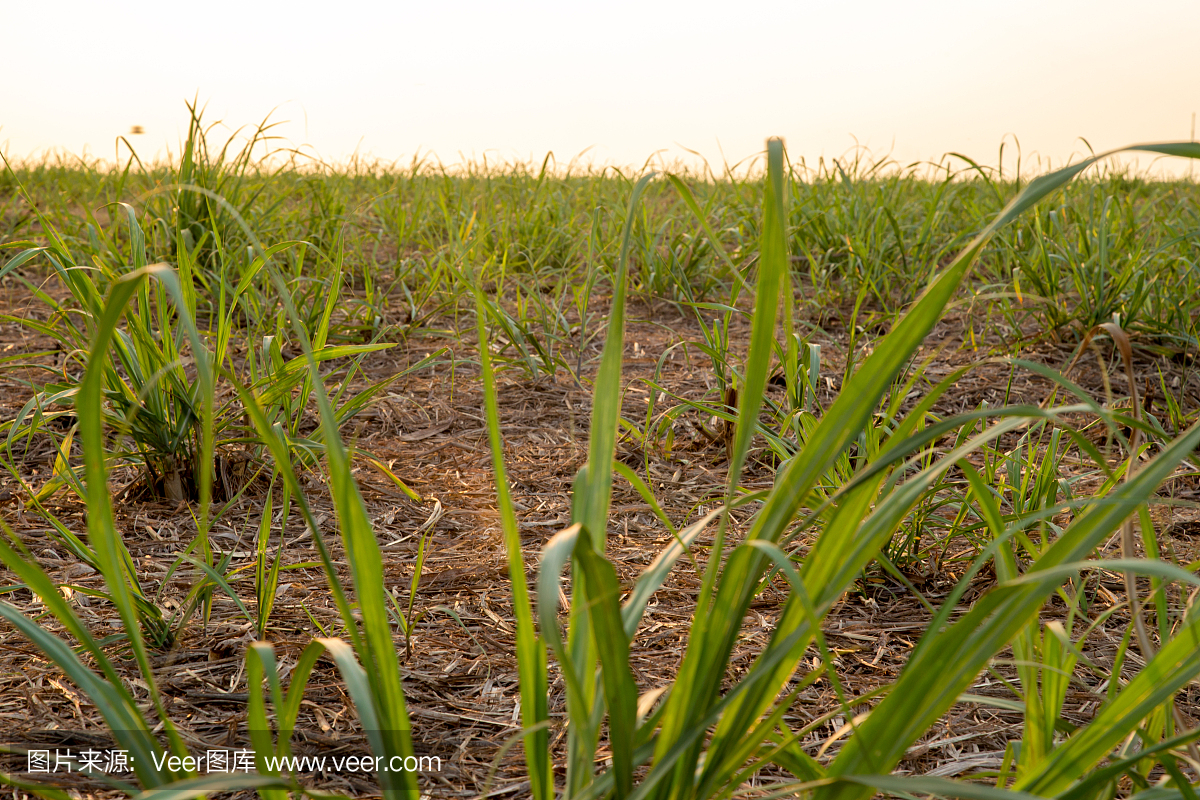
x,y
626,79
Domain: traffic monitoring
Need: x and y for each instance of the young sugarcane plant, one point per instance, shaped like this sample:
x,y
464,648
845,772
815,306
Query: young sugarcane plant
x,y
704,740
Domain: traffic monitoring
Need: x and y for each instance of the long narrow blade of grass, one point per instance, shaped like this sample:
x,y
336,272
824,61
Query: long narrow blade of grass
x,y
703,670
772,266
606,400
531,651
603,596
590,502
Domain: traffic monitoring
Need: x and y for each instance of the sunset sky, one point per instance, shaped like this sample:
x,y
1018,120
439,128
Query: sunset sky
x,y
626,79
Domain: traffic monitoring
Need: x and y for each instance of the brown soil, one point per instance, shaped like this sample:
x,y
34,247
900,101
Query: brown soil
x,y
460,673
